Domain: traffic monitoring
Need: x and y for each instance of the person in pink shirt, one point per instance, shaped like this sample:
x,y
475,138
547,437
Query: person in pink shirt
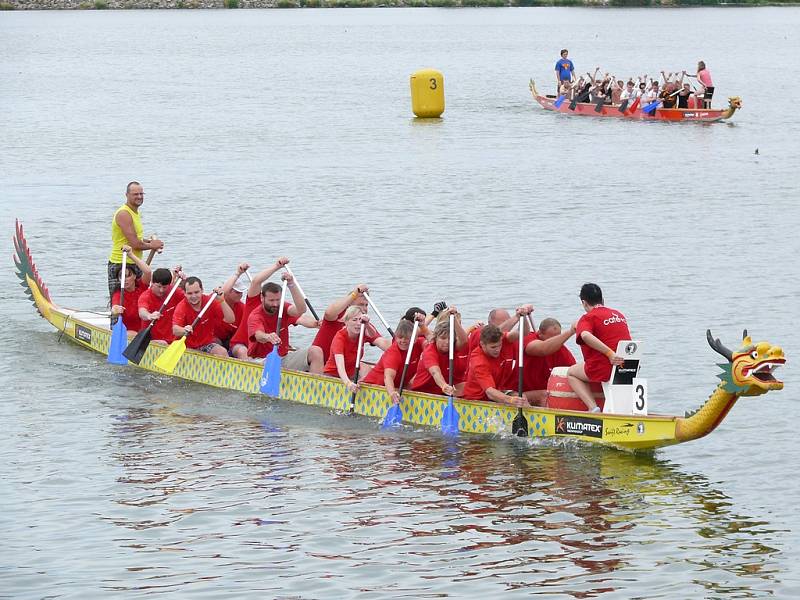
x,y
704,78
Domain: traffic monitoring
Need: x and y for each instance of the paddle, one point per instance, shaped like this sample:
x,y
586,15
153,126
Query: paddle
x,y
623,106
138,346
119,333
635,104
380,316
651,108
170,357
302,293
152,252
598,105
519,426
359,351
579,98
559,101
450,414
394,416
271,377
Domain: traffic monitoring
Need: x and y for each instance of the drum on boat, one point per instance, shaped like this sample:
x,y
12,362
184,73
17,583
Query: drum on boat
x,y
561,396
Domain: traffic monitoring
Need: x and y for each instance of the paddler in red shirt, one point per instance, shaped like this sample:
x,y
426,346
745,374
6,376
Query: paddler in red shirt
x,y
488,369
544,350
598,333
344,348
151,300
389,369
433,370
240,340
201,337
135,286
508,353
233,289
333,321
263,322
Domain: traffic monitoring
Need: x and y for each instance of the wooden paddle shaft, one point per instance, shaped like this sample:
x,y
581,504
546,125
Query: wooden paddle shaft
x,y
408,355
152,251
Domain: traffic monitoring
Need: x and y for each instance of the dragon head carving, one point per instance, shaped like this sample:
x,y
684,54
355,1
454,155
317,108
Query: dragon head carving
x,y
750,369
735,102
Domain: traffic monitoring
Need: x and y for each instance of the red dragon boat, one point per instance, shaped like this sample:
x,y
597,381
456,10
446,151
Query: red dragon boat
x,y
586,109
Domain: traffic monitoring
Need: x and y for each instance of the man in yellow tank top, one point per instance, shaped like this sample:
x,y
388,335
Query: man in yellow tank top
x,y
126,229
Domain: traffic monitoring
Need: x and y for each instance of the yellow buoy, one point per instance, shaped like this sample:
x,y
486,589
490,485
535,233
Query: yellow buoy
x,y
427,93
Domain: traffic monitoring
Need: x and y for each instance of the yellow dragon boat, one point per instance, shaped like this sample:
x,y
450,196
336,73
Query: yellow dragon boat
x,y
747,371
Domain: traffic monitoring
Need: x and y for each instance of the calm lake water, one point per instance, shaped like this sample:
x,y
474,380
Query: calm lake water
x,y
259,133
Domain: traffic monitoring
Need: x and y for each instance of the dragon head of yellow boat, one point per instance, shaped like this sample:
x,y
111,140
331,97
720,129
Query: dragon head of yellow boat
x,y
750,370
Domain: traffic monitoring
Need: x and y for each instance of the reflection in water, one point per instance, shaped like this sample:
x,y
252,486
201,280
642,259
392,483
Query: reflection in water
x,y
467,515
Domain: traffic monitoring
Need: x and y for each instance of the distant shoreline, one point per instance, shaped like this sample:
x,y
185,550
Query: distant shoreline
x,y
212,4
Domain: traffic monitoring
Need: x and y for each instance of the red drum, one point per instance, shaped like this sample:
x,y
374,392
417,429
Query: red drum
x,y
561,396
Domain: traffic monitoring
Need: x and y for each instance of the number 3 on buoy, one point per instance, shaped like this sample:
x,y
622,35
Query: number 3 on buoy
x,y
639,396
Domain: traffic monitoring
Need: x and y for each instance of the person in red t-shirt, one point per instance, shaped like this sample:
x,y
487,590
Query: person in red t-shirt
x,y
505,323
151,300
263,323
433,371
544,350
233,289
487,369
201,336
598,333
389,369
134,287
344,348
240,340
333,321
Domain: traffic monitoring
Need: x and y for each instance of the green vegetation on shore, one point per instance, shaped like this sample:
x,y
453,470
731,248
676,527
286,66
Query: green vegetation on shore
x,y
166,4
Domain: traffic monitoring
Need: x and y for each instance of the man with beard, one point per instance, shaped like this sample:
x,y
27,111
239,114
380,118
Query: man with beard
x,y
262,325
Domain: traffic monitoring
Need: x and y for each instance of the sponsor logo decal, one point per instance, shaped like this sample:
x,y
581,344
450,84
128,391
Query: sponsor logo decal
x,y
570,425
626,372
83,334
631,348
614,318
618,430
640,428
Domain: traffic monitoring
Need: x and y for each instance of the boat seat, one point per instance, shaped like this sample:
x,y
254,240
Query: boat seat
x,y
625,392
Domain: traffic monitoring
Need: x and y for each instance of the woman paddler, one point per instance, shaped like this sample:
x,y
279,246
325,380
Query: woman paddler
x,y
135,286
344,348
389,369
433,371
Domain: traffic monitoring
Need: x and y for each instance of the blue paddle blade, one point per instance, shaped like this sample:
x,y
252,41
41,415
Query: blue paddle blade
x,y
559,101
394,416
119,341
271,377
651,107
450,419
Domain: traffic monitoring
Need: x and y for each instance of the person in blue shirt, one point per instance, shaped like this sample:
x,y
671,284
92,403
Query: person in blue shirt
x,y
565,70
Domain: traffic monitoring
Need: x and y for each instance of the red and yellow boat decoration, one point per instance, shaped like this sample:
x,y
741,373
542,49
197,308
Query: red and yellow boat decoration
x,y
586,109
747,371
